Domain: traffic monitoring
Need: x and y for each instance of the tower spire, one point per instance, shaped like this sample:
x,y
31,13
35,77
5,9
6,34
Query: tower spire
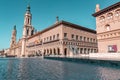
x,y
28,8
13,38
28,30
14,27
28,16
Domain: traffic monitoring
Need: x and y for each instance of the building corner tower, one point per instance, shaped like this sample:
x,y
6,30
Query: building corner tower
x,y
13,41
28,30
108,28
13,38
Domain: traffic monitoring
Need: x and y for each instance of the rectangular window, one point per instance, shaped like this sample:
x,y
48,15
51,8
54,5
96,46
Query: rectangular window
x,y
72,36
80,38
84,38
53,37
44,39
41,41
93,40
88,39
76,37
65,35
50,38
57,36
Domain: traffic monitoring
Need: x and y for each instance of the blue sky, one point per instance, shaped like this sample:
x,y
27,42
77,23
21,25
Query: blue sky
x,y
44,14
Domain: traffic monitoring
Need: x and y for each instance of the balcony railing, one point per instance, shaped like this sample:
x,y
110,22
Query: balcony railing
x,y
51,41
38,44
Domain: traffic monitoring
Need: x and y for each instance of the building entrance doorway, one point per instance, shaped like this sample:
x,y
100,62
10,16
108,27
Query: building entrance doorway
x,y
65,51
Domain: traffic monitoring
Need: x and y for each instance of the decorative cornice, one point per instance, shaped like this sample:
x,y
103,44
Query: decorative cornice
x,y
64,23
116,5
112,31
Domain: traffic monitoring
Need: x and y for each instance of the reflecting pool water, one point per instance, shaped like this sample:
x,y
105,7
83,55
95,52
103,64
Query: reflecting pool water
x,y
44,69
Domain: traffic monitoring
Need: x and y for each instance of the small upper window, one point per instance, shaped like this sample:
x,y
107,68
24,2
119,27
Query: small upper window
x,y
88,39
93,40
80,38
57,36
50,38
76,37
84,38
53,37
44,39
65,35
102,18
117,12
72,36
109,16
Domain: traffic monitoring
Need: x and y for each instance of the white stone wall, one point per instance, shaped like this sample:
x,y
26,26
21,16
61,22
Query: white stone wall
x,y
105,56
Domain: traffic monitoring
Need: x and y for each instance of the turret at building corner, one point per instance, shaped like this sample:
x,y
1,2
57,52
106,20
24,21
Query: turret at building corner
x,y
108,28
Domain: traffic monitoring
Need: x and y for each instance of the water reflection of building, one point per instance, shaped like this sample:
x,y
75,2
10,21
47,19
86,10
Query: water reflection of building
x,y
108,28
62,38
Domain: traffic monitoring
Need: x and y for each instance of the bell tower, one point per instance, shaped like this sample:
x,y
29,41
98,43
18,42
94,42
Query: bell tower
x,y
28,16
28,30
13,38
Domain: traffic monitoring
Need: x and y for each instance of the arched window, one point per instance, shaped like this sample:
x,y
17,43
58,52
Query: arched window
x,y
58,51
54,51
109,16
102,18
50,51
84,38
50,38
32,32
44,52
65,52
53,37
57,36
80,38
27,31
117,12
107,27
28,20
